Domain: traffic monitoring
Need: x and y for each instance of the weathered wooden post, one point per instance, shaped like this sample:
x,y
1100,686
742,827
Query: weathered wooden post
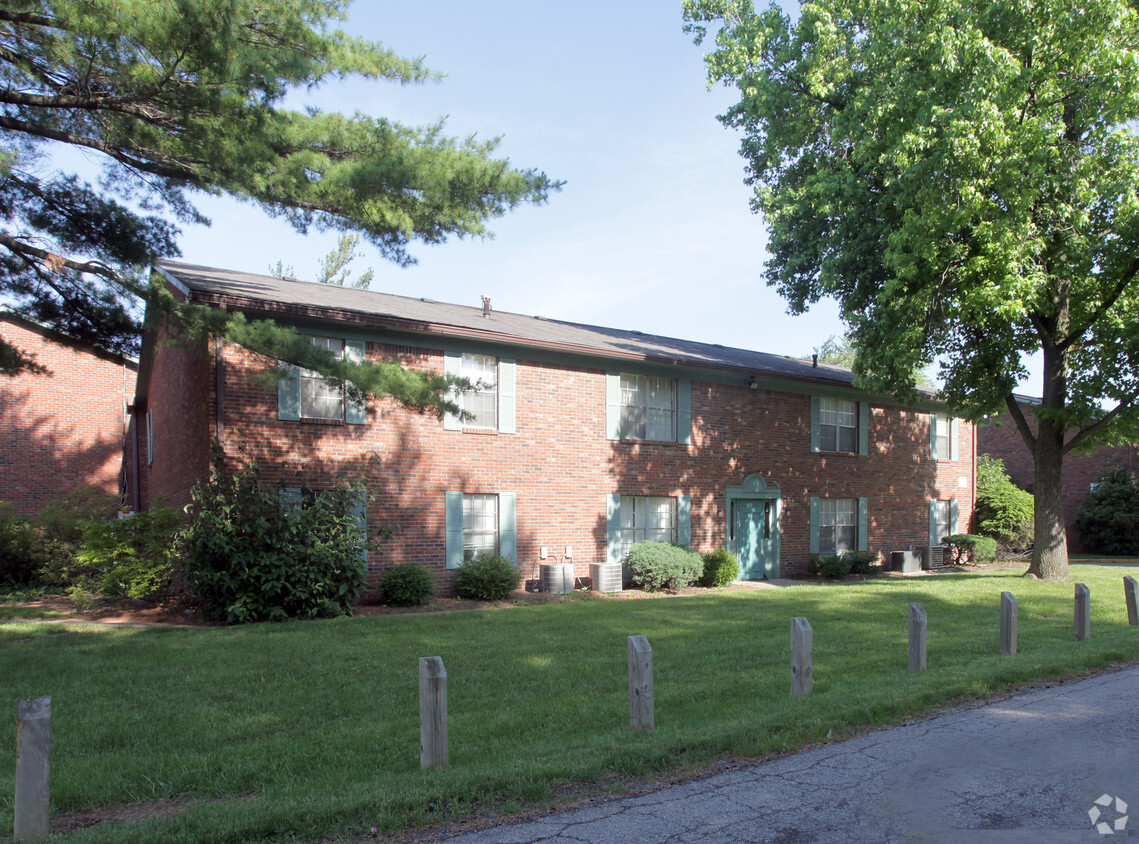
x,y
641,709
802,641
917,638
1131,592
432,712
33,749
1008,624
1083,611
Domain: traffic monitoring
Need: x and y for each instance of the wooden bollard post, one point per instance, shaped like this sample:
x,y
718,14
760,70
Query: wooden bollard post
x,y
1083,612
642,715
1008,624
33,749
432,712
917,638
1131,592
802,670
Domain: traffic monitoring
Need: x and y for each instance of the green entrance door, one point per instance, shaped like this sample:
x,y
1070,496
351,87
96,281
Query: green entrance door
x,y
755,529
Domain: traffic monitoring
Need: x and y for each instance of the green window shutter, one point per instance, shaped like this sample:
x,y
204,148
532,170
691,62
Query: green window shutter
x,y
613,405
952,516
506,396
453,366
863,523
954,448
684,411
453,528
684,519
864,429
355,412
359,513
933,435
290,498
934,539
814,427
613,528
289,392
814,542
507,526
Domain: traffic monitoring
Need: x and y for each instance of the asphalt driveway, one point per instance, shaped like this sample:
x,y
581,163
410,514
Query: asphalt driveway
x,y
1027,768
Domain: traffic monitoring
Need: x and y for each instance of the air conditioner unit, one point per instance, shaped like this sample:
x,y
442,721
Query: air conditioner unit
x,y
932,557
556,578
606,577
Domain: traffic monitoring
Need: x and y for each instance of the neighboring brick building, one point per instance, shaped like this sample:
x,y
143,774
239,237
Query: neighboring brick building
x,y
588,438
1000,438
64,428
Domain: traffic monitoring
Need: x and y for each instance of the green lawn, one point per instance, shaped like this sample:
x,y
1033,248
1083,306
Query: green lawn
x,y
278,732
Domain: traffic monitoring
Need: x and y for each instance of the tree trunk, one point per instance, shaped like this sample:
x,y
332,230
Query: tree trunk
x,y
1050,539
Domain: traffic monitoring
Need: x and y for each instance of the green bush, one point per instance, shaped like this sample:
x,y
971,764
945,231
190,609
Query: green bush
x,y
130,557
863,562
1004,511
721,567
486,577
831,565
23,550
663,565
407,585
249,556
967,549
1108,519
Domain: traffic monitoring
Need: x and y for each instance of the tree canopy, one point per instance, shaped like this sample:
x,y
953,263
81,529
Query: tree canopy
x,y
178,100
963,178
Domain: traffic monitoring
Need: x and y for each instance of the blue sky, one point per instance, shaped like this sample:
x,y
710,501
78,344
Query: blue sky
x,y
652,230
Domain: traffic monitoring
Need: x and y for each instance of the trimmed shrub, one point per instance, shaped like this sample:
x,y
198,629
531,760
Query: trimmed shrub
x,y
863,562
486,577
968,549
129,558
249,556
831,565
1108,519
663,565
407,585
23,550
721,567
1004,510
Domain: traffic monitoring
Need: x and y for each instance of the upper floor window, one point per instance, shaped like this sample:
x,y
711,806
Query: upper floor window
x,y
648,408
480,401
838,425
942,436
319,400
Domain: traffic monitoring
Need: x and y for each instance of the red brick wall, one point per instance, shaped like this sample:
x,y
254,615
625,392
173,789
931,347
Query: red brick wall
x,y
1000,438
62,429
561,466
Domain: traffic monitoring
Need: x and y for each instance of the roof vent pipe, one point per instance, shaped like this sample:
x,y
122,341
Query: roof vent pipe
x,y
815,361
486,306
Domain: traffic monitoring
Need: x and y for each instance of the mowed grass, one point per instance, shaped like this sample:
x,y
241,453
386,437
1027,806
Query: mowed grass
x,y
306,731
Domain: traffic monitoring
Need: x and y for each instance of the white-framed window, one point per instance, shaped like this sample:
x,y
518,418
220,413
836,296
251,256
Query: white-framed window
x,y
942,520
318,399
838,425
942,424
480,401
648,407
838,525
480,524
647,518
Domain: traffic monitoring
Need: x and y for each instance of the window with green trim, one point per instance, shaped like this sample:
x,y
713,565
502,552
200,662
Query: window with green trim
x,y
942,522
838,425
480,524
838,525
648,408
481,399
647,518
319,400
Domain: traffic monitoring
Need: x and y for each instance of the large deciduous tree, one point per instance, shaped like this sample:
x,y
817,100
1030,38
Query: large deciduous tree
x,y
963,178
181,99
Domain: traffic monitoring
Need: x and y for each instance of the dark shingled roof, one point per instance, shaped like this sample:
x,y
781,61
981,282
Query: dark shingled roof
x,y
272,295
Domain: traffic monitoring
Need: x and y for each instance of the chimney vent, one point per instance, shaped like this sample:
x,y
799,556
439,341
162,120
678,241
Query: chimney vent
x,y
814,360
486,306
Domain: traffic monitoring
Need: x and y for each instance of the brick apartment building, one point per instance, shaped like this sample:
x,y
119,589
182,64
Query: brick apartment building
x,y
999,438
583,439
65,427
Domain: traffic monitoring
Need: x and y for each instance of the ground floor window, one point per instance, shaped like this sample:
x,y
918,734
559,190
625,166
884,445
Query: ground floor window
x,y
647,518
941,520
480,524
838,525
